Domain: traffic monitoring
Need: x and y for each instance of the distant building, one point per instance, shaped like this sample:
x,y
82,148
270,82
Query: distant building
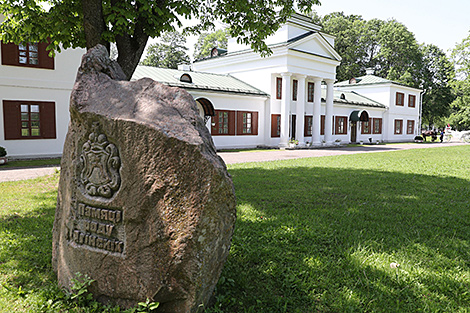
x,y
245,99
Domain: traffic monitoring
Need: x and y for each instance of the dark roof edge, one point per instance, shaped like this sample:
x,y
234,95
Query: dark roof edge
x,y
245,92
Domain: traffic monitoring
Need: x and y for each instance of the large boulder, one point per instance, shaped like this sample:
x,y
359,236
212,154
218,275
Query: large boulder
x,y
145,207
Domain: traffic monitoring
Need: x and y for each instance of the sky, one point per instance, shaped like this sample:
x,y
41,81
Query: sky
x,y
438,22
443,23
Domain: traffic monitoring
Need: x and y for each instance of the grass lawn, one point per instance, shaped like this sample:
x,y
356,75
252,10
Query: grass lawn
x,y
312,235
31,163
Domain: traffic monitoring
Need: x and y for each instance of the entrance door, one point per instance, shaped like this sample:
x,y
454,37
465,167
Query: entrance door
x,y
353,132
292,127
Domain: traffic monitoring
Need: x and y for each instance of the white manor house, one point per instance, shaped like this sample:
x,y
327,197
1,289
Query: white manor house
x,y
245,99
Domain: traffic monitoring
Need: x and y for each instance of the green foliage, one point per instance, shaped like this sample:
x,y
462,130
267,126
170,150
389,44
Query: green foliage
x,y
399,57
460,108
437,74
147,306
387,46
130,23
207,41
79,287
170,52
393,52
3,152
349,43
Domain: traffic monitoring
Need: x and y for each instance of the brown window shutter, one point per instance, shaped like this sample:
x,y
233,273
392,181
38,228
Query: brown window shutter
x,y
214,122
11,120
45,61
47,118
9,54
254,123
274,125
306,117
322,124
240,122
231,123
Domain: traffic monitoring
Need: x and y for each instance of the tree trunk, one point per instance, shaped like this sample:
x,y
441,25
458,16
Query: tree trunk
x,y
130,49
93,23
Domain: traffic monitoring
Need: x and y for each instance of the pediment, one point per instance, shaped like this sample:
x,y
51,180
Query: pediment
x,y
315,44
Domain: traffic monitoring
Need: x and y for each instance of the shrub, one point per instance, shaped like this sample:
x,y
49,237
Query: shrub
x,y
3,152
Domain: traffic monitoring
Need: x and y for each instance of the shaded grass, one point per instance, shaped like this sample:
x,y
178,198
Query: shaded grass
x,y
312,235
26,217
319,235
31,163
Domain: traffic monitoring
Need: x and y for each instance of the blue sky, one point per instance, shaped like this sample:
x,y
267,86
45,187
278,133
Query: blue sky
x,y
442,23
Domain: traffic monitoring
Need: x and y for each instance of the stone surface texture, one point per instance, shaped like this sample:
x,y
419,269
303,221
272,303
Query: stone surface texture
x,y
145,207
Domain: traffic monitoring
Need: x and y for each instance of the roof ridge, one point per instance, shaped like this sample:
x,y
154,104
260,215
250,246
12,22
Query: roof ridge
x,y
177,70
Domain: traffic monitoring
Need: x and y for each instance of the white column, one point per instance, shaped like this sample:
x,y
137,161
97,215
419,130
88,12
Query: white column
x,y
300,110
316,111
285,109
329,111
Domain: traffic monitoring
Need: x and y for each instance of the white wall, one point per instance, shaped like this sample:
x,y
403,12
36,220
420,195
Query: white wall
x,y
386,95
33,84
235,102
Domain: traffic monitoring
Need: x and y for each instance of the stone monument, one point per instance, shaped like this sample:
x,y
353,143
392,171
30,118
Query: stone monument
x,y
145,207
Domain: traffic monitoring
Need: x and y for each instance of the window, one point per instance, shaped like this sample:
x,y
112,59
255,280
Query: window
x,y
295,85
278,88
276,125
223,123
411,101
410,127
365,128
310,88
308,122
377,125
186,78
27,55
398,127
341,123
400,99
247,123
29,120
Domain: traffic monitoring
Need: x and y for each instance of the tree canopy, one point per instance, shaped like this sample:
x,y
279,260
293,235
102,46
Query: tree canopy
x,y
129,23
394,53
170,52
460,108
387,46
207,41
437,74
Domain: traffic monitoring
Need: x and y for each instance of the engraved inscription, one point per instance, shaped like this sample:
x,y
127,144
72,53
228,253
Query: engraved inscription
x,y
95,227
99,166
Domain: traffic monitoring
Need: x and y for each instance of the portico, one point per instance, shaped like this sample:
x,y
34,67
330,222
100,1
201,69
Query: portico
x,y
299,99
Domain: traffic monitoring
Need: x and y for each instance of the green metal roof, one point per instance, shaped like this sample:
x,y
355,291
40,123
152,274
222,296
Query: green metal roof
x,y
352,98
366,80
200,80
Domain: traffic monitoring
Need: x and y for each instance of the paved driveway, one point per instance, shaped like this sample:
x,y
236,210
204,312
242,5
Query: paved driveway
x,y
256,156
272,155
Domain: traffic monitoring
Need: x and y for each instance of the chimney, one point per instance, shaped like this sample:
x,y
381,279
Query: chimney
x,y
370,71
184,67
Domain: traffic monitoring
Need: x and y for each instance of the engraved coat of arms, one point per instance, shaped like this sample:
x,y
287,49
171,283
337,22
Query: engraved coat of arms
x,y
99,166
